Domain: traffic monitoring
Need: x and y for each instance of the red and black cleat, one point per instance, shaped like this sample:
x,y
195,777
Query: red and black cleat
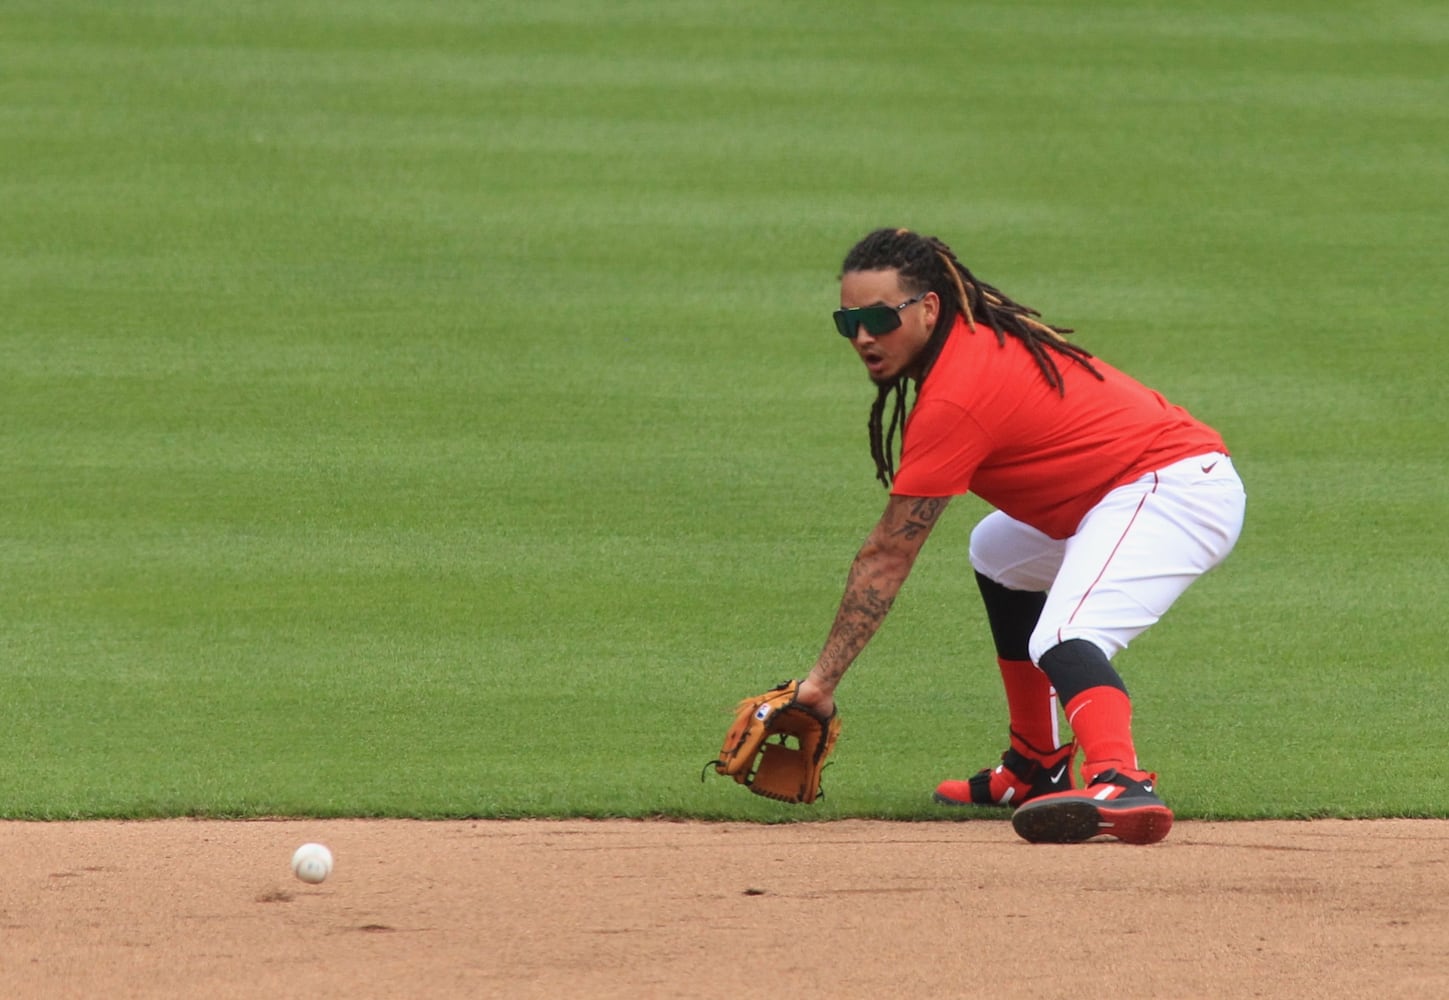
x,y
1113,804
1025,773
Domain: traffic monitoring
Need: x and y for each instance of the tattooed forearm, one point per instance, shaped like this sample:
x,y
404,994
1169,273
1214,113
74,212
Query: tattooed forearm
x,y
876,576
867,601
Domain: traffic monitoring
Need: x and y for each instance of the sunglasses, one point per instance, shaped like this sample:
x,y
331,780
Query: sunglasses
x,y
877,320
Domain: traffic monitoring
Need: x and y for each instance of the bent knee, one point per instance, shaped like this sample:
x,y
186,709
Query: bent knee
x,y
1047,636
1014,554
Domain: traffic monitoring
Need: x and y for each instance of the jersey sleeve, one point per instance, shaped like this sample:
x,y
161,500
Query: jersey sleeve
x,y
943,444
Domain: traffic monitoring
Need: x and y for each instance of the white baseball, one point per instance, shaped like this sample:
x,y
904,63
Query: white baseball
x,y
312,863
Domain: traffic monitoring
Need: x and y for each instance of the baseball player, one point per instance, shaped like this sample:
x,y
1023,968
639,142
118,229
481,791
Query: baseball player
x,y
1109,502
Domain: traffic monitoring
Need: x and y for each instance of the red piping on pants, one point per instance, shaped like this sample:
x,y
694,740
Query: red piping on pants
x,y
1108,562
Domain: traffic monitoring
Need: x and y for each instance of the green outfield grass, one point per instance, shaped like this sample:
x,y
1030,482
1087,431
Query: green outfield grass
x,y
433,409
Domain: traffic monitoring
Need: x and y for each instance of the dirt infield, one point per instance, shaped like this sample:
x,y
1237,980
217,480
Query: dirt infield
x,y
188,908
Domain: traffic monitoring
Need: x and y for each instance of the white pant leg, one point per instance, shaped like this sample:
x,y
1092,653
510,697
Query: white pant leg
x,y
1014,554
1137,551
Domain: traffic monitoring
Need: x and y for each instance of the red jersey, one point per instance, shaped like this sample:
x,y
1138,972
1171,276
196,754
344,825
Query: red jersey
x,y
987,422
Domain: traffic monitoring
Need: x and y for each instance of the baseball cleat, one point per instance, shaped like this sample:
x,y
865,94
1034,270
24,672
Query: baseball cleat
x,y
1113,804
1024,773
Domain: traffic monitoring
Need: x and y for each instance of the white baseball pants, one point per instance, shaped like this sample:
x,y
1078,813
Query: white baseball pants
x,y
1133,554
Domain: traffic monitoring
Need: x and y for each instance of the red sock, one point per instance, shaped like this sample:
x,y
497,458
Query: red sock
x,y
1101,720
1031,702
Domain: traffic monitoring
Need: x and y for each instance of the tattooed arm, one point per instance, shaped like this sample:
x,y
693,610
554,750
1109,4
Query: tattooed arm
x,y
880,567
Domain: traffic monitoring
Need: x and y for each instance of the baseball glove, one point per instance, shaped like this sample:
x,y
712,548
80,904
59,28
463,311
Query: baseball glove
x,y
778,747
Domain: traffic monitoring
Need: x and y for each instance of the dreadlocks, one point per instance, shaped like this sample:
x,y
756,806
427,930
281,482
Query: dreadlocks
x,y
927,264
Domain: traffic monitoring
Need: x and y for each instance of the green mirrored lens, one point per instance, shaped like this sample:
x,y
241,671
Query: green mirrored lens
x,y
877,320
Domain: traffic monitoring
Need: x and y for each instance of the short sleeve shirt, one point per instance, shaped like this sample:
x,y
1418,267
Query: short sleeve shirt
x,y
987,422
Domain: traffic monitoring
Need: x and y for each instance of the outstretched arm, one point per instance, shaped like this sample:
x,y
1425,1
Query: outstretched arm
x,y
880,567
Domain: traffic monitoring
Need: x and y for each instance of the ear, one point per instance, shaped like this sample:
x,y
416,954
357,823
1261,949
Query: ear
x,y
931,309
